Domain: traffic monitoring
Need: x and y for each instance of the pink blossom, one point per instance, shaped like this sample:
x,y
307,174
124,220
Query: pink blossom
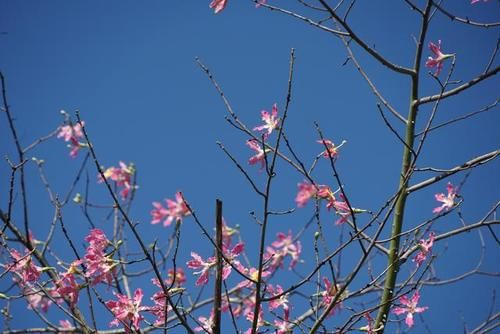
x,y
65,324
331,150
66,287
306,192
253,274
198,263
341,207
218,5
180,276
262,2
282,247
283,326
174,210
127,310
260,154
328,295
121,176
425,247
37,299
410,307
260,320
206,324
270,120
369,327
161,307
23,267
100,266
447,200
72,134
437,62
282,301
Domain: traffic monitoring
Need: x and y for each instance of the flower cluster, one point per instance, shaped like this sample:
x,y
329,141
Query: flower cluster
x,y
72,134
23,268
100,266
331,151
121,175
271,122
175,210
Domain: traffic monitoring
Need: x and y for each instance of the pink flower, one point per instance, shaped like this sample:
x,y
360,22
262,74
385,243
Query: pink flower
x,y
341,207
369,327
283,326
72,134
260,154
37,299
262,2
437,62
282,247
425,248
331,150
206,324
175,210
180,277
410,307
253,274
218,5
121,176
447,200
161,307
23,267
100,266
282,301
270,121
306,192
328,295
127,310
68,288
198,263
65,324
260,320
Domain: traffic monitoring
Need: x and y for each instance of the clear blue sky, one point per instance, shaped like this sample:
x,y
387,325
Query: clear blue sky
x,y
129,68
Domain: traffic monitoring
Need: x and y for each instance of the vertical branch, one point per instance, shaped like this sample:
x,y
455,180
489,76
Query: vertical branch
x,y
216,327
406,170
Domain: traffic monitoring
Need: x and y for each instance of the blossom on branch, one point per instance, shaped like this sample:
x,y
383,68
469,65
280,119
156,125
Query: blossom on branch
x,y
331,150
328,295
260,155
437,61
409,307
100,266
127,310
218,5
72,134
174,210
282,247
198,263
425,247
447,200
270,120
23,268
121,176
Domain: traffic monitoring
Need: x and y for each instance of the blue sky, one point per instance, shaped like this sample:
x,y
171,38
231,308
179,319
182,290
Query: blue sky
x,y
130,70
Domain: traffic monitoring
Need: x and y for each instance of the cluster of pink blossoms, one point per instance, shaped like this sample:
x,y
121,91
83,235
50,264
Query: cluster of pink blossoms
x,y
23,268
72,134
308,191
175,210
271,122
122,176
100,266
331,151
127,310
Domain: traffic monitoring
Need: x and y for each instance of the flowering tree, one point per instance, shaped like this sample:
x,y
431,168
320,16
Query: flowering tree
x,y
349,267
